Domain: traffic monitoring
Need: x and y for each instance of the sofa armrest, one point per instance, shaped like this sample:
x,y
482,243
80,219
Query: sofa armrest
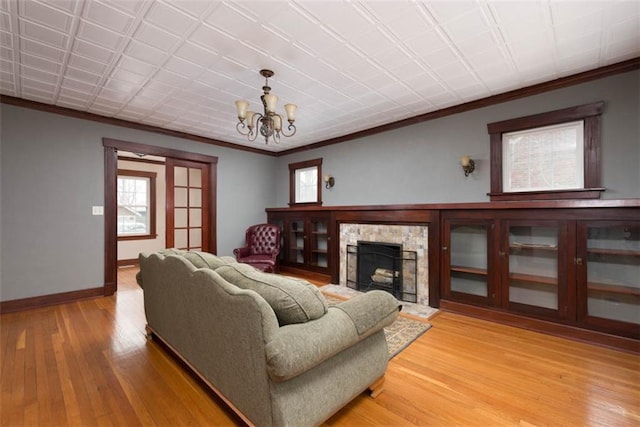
x,y
368,311
296,348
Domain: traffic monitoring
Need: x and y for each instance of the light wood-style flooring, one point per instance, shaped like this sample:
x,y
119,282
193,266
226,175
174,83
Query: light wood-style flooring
x,y
88,363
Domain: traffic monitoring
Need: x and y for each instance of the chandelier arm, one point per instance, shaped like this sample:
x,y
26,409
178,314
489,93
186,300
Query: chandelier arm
x,y
291,126
240,126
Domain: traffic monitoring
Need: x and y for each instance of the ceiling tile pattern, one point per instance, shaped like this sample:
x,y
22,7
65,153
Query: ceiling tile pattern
x,y
349,65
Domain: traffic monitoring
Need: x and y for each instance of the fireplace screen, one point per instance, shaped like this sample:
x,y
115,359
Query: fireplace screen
x,y
384,266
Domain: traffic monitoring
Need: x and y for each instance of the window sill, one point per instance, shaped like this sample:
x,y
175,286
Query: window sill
x,y
138,237
583,193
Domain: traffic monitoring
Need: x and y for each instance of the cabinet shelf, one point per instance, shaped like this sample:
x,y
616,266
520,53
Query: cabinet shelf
x,y
319,251
470,270
532,278
613,289
617,252
518,245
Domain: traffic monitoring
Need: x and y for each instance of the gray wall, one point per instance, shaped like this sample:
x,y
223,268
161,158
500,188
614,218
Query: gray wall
x,y
52,173
420,163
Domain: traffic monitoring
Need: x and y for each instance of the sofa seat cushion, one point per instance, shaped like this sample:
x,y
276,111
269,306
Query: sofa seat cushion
x,y
292,300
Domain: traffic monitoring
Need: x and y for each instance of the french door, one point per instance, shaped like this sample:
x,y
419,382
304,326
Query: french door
x,y
187,213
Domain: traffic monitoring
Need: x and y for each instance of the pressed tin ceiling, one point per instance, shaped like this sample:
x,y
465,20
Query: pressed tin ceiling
x,y
348,65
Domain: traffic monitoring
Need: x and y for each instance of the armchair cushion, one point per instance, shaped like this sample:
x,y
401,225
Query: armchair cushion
x,y
293,300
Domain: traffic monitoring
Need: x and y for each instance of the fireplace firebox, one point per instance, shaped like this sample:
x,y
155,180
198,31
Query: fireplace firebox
x,y
383,266
379,267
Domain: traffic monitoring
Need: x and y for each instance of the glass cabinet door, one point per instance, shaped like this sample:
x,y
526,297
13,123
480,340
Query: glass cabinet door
x,y
319,243
296,241
465,254
612,267
532,274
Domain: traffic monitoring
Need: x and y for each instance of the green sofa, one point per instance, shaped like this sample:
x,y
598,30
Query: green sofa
x,y
269,345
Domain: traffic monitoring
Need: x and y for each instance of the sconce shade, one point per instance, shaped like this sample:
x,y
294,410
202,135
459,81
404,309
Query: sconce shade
x,y
329,181
468,165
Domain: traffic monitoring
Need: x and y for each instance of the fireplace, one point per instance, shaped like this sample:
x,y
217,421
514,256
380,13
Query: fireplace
x,y
413,241
383,266
379,267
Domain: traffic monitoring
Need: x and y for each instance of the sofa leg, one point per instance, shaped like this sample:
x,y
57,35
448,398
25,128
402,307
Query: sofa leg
x,y
149,332
377,387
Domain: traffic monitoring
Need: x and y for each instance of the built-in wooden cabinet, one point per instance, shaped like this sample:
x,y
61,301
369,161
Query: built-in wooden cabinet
x,y
568,268
305,239
556,265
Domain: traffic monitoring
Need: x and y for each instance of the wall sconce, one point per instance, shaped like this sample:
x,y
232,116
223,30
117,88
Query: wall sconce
x,y
329,181
468,165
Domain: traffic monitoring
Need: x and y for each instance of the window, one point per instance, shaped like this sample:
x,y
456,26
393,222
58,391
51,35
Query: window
x,y
136,205
304,185
553,155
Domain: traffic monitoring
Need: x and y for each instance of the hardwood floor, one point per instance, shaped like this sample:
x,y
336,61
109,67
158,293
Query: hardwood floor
x,y
89,363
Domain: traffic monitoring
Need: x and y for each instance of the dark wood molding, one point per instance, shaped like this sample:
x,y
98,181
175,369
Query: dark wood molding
x,y
19,102
292,181
537,204
157,151
570,114
589,114
133,262
140,160
48,300
110,220
111,146
152,176
586,76
543,326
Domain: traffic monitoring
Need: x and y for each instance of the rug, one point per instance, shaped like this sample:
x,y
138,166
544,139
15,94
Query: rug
x,y
402,332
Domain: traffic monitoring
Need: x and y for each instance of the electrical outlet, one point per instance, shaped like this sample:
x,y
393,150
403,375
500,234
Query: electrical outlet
x,y
98,210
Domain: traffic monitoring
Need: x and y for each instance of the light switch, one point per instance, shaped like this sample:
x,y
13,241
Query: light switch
x,y
98,210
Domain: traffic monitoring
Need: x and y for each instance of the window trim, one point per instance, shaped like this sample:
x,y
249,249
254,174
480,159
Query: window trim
x,y
591,114
292,181
152,203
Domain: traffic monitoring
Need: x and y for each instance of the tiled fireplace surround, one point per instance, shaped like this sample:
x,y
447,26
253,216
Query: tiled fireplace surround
x,y
411,237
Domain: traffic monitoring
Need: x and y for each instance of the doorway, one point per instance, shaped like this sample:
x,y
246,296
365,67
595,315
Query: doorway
x,y
200,201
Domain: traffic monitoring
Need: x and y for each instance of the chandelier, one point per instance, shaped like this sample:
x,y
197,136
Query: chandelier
x,y
268,123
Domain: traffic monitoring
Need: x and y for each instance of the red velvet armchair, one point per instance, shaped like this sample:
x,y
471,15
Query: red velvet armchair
x,y
262,247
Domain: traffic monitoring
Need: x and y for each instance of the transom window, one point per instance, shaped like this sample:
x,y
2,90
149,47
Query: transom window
x,y
136,204
304,185
554,155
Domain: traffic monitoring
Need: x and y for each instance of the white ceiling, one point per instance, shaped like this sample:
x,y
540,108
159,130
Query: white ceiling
x,y
348,65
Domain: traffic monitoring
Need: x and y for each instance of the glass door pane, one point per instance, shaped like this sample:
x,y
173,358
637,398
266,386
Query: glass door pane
x,y
319,242
187,205
533,266
296,241
468,265
613,272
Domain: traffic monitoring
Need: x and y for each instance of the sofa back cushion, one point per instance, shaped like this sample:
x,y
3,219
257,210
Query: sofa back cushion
x,y
292,300
207,260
